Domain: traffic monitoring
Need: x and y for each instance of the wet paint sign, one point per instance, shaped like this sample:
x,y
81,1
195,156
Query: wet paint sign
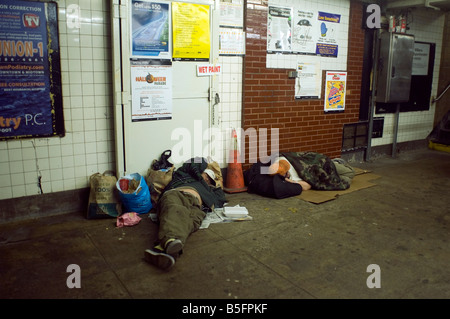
x,y
208,69
30,81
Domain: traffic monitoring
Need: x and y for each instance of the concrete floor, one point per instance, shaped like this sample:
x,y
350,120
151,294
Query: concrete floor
x,y
291,249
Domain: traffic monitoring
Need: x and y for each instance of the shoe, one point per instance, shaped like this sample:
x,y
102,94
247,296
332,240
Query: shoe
x,y
159,259
174,247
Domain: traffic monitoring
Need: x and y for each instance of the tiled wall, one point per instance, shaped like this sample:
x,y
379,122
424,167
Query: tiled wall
x,y
426,25
66,163
230,107
88,147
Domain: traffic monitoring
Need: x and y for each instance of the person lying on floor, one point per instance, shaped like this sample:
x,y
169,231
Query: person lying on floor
x,y
309,170
273,180
181,209
282,167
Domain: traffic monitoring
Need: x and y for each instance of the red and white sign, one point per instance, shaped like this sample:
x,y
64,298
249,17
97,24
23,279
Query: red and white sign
x,y
208,69
30,20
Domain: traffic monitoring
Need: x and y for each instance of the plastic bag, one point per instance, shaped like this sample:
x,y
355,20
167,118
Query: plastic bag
x,y
134,193
128,219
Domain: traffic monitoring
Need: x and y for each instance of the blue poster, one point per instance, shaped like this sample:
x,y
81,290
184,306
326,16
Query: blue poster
x,y
29,72
150,29
327,41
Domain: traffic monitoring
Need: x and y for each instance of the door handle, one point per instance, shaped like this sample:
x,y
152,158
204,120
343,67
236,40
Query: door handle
x,y
216,101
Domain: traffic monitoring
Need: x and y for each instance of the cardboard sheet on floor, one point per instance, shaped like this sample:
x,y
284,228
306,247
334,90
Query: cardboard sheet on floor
x,y
362,179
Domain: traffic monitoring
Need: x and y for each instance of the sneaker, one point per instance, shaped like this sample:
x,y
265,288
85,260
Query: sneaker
x,y
159,259
174,247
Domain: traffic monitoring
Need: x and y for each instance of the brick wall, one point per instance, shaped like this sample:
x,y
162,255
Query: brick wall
x,y
269,94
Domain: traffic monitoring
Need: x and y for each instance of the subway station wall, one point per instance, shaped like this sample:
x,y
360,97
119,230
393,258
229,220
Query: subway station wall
x,y
269,92
34,166
250,89
427,25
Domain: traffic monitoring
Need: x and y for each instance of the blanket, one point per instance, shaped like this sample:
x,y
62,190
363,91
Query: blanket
x,y
317,169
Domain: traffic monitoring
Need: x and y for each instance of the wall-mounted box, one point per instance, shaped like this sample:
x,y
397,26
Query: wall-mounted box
x,y
396,53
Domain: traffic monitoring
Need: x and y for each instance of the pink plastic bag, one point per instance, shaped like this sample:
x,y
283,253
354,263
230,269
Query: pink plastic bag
x,y
128,219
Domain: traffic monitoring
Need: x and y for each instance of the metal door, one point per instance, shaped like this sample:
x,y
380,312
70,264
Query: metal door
x,y
186,134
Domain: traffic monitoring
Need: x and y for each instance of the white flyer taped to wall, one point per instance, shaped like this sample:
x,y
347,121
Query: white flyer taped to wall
x,y
279,29
151,91
308,83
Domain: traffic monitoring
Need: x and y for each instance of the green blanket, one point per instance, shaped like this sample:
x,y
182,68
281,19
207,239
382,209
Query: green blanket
x,y
317,169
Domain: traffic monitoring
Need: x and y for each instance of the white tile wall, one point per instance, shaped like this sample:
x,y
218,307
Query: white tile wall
x,y
88,146
230,107
427,25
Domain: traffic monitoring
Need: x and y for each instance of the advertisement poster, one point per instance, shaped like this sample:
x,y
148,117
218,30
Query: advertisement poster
x,y
30,75
308,83
315,32
150,30
335,86
279,21
152,91
191,31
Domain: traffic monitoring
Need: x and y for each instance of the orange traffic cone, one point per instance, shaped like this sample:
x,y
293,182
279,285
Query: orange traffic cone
x,y
235,177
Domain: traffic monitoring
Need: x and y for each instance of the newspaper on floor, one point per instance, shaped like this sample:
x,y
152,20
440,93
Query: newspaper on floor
x,y
226,215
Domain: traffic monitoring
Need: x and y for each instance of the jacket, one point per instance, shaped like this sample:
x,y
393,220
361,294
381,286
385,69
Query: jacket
x,y
190,174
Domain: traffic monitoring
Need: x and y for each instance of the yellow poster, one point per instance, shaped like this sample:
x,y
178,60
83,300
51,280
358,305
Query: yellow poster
x,y
190,29
335,91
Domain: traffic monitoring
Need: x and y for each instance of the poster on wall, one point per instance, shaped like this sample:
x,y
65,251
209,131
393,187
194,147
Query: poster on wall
x,y
308,84
231,13
421,58
231,41
191,31
303,30
335,87
152,91
279,21
150,30
315,32
30,73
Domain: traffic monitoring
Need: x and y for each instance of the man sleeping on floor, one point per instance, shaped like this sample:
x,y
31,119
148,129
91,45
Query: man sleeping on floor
x,y
290,173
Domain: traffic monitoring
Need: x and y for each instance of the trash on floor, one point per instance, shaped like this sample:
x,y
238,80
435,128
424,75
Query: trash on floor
x,y
226,215
128,219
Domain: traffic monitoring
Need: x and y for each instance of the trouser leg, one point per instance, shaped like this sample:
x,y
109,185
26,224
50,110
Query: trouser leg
x,y
179,216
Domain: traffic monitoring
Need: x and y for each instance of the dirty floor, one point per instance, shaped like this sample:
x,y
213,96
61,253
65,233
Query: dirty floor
x,y
292,249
